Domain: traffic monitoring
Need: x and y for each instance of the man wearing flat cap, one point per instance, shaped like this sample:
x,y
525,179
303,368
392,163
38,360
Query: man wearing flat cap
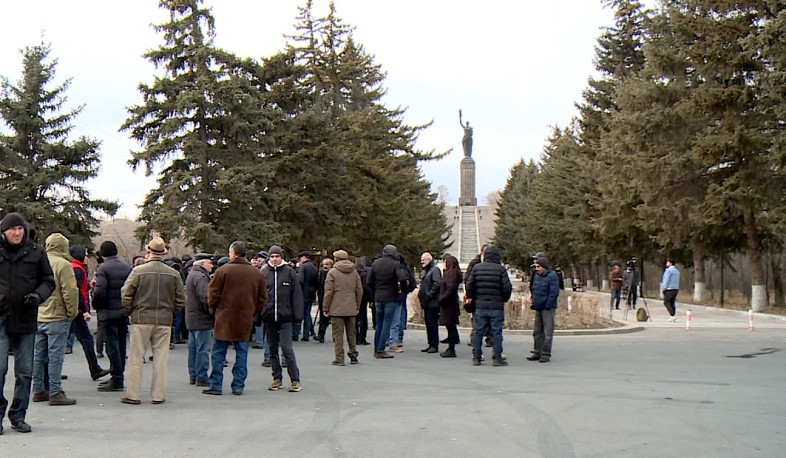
x,y
545,290
26,280
151,295
343,294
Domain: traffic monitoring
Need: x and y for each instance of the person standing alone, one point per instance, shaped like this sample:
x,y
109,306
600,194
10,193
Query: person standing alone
x,y
670,285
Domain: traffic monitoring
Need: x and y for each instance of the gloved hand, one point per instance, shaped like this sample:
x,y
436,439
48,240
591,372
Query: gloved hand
x,y
32,300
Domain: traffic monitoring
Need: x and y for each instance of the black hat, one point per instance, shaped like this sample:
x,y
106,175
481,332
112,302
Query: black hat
x,y
202,255
12,220
303,253
77,252
108,248
222,261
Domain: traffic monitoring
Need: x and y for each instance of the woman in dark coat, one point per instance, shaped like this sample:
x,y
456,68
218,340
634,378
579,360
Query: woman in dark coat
x,y
449,303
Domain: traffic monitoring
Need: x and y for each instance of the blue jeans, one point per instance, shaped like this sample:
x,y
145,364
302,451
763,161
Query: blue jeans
x,y
485,318
23,345
616,296
277,334
396,330
431,317
177,325
386,316
199,345
50,340
239,370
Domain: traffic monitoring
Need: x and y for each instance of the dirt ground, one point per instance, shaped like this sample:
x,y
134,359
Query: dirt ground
x,y
584,312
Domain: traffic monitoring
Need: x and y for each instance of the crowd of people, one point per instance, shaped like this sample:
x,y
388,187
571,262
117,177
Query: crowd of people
x,y
245,300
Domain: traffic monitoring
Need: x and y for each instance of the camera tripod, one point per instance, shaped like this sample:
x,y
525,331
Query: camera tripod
x,y
643,299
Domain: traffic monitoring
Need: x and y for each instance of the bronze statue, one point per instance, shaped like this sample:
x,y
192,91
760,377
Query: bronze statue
x,y
466,141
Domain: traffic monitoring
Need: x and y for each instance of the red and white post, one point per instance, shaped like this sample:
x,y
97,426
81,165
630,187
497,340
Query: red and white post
x,y
750,320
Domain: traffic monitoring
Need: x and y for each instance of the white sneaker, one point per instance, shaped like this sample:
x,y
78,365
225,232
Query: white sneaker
x,y
672,319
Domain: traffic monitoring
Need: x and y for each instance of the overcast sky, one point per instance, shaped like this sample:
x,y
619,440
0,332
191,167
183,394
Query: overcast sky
x,y
515,68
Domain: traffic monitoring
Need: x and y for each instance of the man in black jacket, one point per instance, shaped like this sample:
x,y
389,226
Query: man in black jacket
x,y
387,281
309,280
489,288
428,294
324,321
26,280
199,320
110,277
283,308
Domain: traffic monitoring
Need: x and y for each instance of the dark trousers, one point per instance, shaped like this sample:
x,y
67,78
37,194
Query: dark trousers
x,y
631,300
669,297
281,334
323,323
82,332
116,335
431,317
453,336
543,332
361,323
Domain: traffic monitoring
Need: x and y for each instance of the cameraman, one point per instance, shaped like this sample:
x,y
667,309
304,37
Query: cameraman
x,y
630,282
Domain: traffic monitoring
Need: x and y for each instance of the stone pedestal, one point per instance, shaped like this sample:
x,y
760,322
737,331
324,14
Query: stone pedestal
x,y
467,181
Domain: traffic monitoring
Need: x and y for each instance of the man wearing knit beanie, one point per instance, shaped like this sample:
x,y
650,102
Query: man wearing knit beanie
x,y
26,280
284,307
545,290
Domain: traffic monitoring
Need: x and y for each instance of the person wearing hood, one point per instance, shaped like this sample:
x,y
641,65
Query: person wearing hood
x,y
54,322
79,327
151,296
26,280
283,308
489,288
387,280
545,291
343,295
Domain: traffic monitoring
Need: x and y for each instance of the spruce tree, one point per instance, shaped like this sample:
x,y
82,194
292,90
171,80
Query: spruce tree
x,y
202,122
42,171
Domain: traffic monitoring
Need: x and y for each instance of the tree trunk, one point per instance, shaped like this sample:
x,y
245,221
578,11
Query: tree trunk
x,y
590,281
604,274
758,287
776,260
699,285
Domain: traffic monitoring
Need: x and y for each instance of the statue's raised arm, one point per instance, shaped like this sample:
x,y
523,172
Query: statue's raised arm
x,y
466,141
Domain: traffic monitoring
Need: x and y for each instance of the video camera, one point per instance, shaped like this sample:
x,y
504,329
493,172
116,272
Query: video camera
x,y
631,263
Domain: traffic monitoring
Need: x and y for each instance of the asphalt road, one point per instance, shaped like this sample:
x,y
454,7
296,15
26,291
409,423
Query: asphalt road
x,y
655,393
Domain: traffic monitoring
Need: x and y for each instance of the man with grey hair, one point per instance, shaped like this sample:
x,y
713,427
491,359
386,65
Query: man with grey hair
x,y
428,294
235,294
199,320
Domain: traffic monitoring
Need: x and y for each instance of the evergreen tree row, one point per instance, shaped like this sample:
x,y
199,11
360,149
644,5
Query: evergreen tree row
x,y
296,149
678,149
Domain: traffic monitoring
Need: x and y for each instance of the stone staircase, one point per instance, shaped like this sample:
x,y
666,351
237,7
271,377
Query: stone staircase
x,y
469,235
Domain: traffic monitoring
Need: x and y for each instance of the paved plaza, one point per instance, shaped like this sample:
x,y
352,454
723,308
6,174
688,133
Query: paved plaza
x,y
713,391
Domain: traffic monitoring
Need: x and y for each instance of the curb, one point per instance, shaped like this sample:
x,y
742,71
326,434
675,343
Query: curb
x,y
626,329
